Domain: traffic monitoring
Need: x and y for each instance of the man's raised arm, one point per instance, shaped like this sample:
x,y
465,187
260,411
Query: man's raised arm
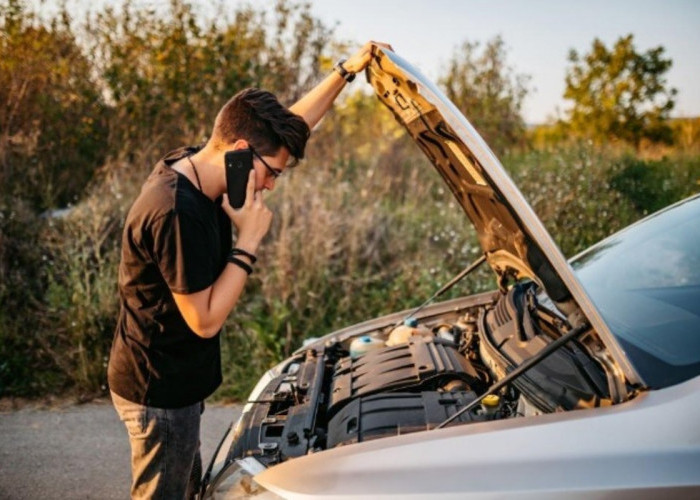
x,y
319,100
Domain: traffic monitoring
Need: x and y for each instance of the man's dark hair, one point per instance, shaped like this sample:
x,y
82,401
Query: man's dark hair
x,y
258,117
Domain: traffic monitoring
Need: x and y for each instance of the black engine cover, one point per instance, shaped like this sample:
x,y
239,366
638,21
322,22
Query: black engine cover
x,y
421,363
397,413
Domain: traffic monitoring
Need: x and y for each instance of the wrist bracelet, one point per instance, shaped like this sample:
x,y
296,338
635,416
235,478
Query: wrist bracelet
x,y
238,262
239,251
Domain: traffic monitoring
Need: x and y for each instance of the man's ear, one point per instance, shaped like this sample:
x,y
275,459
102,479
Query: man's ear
x,y
239,144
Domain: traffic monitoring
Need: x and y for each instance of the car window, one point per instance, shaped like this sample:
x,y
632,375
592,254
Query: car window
x,y
645,281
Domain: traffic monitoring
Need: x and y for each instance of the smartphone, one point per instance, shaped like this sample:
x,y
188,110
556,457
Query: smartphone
x,y
238,163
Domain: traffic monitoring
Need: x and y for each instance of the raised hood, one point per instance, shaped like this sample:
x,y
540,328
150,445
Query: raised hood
x,y
514,240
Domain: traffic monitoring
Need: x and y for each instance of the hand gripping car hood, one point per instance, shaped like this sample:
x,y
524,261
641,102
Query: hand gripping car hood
x,y
513,239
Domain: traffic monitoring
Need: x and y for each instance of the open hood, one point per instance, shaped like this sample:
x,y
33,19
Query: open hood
x,y
514,240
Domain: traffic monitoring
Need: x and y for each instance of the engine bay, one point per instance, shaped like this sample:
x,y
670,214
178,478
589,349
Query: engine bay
x,y
412,376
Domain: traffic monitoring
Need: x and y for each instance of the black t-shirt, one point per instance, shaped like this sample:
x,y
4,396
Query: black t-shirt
x,y
175,239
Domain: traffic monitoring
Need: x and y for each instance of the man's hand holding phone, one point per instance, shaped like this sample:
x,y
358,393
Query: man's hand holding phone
x,y
252,220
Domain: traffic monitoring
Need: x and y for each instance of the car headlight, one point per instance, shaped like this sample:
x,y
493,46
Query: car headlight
x,y
236,482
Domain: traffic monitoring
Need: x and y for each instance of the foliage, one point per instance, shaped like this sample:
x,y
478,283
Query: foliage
x,y
686,134
171,74
52,122
570,190
58,293
79,309
620,93
345,139
651,185
488,92
21,291
547,136
363,227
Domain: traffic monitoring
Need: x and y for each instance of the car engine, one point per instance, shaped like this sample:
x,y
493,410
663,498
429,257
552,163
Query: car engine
x,y
411,377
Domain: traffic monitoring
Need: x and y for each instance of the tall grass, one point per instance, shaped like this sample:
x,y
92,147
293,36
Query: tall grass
x,y
350,241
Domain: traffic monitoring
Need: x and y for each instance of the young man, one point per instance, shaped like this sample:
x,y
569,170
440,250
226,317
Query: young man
x,y
179,278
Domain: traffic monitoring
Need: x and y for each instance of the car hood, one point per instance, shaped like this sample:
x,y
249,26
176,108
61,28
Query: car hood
x,y
514,240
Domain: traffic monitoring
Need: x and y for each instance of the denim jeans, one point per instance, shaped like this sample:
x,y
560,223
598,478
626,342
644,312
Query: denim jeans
x,y
165,459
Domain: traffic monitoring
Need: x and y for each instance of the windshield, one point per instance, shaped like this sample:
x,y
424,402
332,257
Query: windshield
x,y
645,281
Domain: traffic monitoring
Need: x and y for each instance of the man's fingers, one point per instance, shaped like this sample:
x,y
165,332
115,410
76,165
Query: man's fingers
x,y
259,196
250,189
382,45
362,57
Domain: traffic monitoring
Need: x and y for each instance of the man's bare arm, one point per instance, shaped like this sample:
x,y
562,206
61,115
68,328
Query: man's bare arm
x,y
206,311
319,100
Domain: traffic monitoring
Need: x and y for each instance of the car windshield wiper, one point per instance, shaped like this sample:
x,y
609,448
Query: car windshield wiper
x,y
525,366
471,267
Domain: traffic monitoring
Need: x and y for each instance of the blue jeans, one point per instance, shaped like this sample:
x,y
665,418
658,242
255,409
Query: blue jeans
x,y
165,459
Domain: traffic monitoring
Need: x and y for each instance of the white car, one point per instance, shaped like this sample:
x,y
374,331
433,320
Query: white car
x,y
574,379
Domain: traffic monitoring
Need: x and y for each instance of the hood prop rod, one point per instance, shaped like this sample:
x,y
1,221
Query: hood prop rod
x,y
540,356
445,288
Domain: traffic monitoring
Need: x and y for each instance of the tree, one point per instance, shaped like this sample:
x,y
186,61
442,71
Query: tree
x,y
620,93
166,74
52,121
488,92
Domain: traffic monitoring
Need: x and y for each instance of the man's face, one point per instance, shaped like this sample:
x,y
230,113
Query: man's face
x,y
268,168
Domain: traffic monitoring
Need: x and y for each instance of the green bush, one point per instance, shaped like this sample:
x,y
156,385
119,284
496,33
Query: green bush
x,y
81,296
59,295
21,291
570,190
653,184
53,131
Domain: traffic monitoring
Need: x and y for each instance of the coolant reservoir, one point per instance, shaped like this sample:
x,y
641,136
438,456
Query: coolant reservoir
x,y
364,344
402,333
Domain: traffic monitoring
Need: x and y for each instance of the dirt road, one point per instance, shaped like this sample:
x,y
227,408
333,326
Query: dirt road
x,y
79,451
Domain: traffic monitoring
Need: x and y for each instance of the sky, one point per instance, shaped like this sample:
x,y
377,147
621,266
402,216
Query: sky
x,y
538,35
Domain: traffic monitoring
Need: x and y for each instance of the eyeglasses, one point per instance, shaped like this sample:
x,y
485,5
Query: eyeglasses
x,y
274,172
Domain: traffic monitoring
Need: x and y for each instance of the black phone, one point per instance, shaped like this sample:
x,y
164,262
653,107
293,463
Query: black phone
x,y
238,163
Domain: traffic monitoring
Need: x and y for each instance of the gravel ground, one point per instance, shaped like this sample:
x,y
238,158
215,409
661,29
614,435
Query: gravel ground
x,y
79,451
